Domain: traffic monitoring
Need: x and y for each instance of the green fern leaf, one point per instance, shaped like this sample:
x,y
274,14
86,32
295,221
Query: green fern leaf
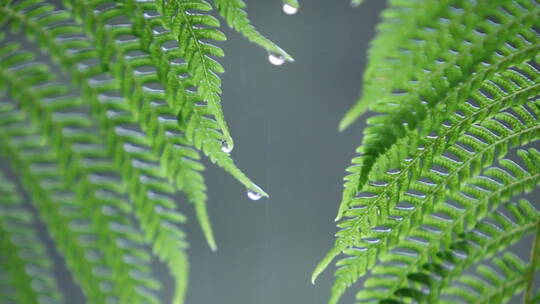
x,y
233,12
491,284
86,170
151,90
98,273
373,203
188,29
443,81
400,271
455,88
188,167
82,157
24,263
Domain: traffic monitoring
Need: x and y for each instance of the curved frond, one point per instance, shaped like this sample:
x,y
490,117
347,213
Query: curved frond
x,y
417,268
516,85
83,155
417,38
79,56
495,283
379,202
149,99
176,157
25,267
449,80
368,235
233,12
190,24
454,85
106,272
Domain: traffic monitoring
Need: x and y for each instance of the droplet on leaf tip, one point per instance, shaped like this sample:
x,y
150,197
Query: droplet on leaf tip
x,y
254,196
226,148
276,59
289,9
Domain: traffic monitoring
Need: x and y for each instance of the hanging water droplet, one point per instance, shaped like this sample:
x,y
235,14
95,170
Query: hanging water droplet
x,y
289,9
254,196
276,59
226,148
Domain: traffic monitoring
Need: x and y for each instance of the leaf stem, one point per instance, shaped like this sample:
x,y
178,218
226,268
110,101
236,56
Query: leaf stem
x,y
535,256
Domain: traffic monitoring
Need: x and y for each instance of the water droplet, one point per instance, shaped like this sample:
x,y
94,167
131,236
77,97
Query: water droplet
x,y
226,148
276,59
289,9
254,196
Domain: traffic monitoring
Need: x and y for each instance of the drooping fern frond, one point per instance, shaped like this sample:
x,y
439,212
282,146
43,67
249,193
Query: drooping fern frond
x,y
492,284
144,97
84,163
417,261
233,12
83,233
455,86
456,70
25,266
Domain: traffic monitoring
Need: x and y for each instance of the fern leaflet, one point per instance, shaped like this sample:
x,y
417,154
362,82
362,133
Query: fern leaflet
x,y
26,267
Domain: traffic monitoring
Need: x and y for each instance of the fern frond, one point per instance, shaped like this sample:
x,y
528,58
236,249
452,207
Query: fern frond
x,y
178,99
385,211
25,267
450,81
176,157
392,184
190,23
392,47
491,284
206,134
233,11
417,262
145,182
514,86
417,38
100,273
194,113
84,169
446,111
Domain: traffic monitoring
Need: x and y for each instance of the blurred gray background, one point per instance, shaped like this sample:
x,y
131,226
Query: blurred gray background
x,y
284,121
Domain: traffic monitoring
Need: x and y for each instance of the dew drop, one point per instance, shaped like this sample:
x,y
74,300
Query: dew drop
x,y
226,148
254,196
289,9
276,59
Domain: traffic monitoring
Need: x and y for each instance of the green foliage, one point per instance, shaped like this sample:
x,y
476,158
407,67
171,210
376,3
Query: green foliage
x,y
236,17
454,85
103,155
26,269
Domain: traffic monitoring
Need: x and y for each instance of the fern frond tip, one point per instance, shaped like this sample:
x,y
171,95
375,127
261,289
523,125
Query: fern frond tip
x,y
255,193
323,264
352,115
